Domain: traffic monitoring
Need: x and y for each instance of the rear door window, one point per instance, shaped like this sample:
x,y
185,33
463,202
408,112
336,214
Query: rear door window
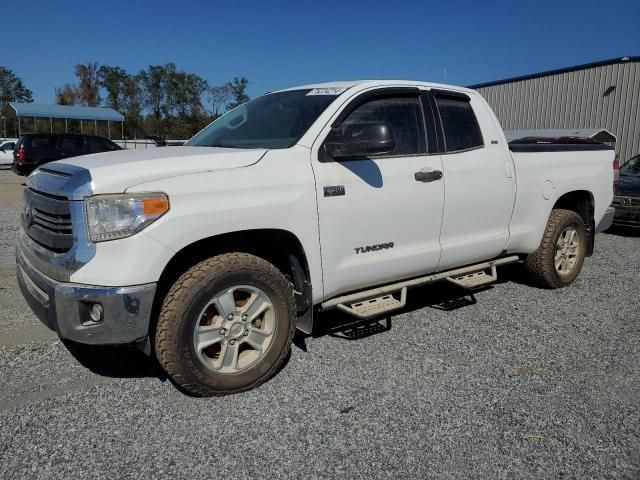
x,y
461,129
72,146
99,144
108,145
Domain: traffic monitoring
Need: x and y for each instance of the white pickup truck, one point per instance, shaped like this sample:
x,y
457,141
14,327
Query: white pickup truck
x,y
341,195
6,151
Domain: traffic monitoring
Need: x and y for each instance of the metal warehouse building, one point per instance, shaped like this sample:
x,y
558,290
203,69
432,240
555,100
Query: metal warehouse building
x,y
592,96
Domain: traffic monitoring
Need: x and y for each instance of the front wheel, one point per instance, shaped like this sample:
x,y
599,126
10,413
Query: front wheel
x,y
560,256
226,325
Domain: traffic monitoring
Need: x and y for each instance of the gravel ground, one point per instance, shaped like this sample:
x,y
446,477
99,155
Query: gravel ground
x,y
512,382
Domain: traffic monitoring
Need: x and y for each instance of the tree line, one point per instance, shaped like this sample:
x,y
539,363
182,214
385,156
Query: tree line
x,y
160,100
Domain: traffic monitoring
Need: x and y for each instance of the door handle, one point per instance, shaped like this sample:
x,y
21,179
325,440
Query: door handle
x,y
428,175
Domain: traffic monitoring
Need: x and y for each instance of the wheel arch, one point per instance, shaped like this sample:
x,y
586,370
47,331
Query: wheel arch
x,y
583,203
280,247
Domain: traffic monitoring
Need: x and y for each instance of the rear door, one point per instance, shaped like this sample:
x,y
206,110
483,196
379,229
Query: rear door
x,y
378,223
478,180
72,146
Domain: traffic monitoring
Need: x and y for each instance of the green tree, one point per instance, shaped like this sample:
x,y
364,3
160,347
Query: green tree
x,y
89,84
238,87
12,89
173,99
113,80
132,104
188,91
158,85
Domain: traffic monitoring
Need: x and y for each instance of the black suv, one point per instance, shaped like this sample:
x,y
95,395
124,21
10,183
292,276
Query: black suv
x,y
35,149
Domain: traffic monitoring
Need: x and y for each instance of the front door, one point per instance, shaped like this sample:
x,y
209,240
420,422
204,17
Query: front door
x,y
378,222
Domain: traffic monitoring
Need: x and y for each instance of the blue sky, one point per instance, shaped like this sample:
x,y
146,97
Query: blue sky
x,y
277,44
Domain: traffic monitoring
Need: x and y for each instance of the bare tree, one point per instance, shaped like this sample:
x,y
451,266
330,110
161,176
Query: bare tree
x,y
219,98
67,95
89,87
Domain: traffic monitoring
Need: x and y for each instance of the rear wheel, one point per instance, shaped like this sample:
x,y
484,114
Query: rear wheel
x,y
226,325
560,256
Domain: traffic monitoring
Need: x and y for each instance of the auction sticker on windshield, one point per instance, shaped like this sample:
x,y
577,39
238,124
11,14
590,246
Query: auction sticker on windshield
x,y
326,91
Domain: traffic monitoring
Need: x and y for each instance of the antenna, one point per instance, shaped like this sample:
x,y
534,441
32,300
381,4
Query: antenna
x,y
444,70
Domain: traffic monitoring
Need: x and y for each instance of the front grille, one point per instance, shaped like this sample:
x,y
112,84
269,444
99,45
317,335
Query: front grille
x,y
47,220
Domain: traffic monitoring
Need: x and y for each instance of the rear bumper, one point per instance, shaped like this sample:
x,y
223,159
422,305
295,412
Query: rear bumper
x,y
627,211
607,220
23,168
65,308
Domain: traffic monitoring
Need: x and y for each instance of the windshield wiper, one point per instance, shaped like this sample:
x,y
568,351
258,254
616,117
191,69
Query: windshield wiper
x,y
219,145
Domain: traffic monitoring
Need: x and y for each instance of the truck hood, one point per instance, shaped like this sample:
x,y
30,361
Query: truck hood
x,y
114,172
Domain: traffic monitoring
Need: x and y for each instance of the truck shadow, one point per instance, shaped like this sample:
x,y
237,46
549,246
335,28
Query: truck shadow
x,y
515,273
334,323
116,361
129,362
622,231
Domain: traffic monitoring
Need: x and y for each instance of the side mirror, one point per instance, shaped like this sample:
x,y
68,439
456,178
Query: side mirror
x,y
360,140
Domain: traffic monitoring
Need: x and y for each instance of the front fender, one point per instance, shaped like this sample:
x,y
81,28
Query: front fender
x,y
276,193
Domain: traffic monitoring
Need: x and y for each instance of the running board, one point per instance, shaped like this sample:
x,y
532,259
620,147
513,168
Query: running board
x,y
375,306
376,301
475,279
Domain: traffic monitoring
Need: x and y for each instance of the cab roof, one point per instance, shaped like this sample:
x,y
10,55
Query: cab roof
x,y
378,83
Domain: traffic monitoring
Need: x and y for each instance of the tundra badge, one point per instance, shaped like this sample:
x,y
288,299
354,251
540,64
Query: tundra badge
x,y
334,191
373,248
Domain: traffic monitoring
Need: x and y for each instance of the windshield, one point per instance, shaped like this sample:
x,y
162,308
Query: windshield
x,y
632,167
275,120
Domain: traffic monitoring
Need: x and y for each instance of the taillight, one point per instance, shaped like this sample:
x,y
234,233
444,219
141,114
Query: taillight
x,y
20,154
616,172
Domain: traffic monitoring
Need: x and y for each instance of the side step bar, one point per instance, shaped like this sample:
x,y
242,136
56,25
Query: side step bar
x,y
373,302
475,279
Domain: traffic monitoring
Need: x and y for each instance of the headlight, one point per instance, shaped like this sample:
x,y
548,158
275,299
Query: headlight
x,y
118,216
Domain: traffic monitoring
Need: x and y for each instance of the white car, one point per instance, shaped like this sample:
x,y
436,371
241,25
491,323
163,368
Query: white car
x,y
6,152
341,195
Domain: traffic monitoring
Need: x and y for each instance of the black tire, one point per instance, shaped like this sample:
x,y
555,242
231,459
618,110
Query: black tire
x,y
540,265
179,316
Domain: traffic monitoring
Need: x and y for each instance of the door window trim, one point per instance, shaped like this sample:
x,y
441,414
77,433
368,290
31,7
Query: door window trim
x,y
442,143
376,94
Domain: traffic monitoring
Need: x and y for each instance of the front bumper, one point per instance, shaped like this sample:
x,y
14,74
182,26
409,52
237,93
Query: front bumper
x,y
65,307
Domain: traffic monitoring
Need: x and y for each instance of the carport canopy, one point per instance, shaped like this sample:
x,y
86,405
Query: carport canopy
x,y
66,112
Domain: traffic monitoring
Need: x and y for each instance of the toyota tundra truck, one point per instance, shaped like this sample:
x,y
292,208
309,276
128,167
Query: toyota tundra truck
x,y
331,196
